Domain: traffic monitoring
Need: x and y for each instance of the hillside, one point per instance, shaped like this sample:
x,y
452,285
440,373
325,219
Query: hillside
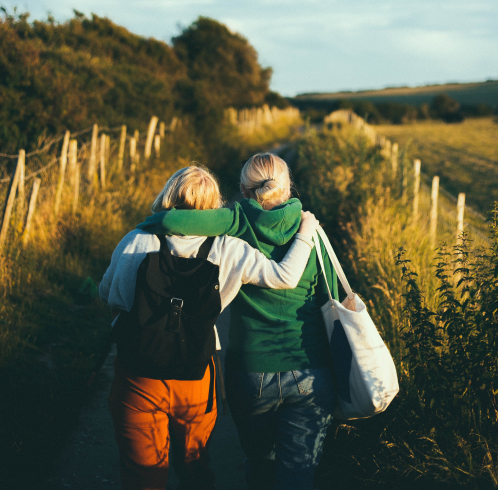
x,y
464,93
70,75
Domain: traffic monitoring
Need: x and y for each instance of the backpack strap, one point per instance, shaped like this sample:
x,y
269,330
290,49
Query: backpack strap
x,y
203,251
162,241
210,402
221,383
205,248
216,372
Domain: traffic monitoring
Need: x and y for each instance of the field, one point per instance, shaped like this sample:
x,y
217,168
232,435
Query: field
x,y
464,93
439,323
464,155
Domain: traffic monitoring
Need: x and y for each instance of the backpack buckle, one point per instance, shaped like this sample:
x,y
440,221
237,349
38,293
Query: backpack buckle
x,y
175,315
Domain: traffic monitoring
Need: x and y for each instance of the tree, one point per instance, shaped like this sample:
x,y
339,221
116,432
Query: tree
x,y
447,108
223,63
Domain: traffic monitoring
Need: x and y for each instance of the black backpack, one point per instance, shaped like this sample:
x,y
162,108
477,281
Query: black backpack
x,y
168,333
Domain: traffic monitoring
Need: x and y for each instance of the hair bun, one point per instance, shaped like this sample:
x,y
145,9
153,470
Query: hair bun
x,y
269,191
267,175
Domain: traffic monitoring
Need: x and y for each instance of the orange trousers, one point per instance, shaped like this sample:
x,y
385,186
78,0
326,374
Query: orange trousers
x,y
150,416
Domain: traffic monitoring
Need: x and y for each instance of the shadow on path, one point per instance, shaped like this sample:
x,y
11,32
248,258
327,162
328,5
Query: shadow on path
x,y
90,460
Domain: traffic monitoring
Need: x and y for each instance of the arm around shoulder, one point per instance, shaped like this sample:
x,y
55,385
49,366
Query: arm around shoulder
x,y
194,222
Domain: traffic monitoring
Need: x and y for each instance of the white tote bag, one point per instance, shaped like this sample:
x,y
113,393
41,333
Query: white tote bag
x,y
366,376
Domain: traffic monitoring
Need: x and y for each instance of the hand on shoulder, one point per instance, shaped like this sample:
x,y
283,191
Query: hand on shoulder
x,y
308,223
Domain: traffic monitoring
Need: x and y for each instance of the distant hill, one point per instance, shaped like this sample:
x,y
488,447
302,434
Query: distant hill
x,y
464,93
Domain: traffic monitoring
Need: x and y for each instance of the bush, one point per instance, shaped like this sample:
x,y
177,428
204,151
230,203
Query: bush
x,y
446,108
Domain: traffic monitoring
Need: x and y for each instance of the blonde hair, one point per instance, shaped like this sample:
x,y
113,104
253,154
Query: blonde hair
x,y
267,175
189,188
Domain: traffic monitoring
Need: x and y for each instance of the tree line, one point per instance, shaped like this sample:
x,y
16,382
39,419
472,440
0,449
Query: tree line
x,y
442,107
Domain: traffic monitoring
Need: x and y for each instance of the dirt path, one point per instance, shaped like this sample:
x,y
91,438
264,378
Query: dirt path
x,y
90,460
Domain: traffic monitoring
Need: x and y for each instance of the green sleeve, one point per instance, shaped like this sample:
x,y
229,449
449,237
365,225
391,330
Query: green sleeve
x,y
321,288
209,222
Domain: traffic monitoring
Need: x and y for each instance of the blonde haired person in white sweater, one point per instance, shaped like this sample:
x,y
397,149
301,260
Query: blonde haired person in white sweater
x,y
148,412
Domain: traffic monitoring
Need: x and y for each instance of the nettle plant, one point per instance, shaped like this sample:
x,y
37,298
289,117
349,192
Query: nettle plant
x,y
451,354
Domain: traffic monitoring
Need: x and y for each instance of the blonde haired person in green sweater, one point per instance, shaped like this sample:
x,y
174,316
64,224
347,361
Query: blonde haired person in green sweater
x,y
279,382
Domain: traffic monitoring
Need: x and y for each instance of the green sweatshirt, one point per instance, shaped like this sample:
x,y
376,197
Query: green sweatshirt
x,y
271,330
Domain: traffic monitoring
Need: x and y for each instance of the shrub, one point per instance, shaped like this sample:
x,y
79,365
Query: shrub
x,y
446,108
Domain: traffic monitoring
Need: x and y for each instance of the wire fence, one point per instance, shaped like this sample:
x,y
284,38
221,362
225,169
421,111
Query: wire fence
x,y
440,207
63,166
81,162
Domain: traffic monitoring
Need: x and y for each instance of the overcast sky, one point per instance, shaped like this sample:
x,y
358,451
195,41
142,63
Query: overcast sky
x,y
325,45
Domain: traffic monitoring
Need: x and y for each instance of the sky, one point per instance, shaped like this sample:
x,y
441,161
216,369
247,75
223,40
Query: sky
x,y
325,45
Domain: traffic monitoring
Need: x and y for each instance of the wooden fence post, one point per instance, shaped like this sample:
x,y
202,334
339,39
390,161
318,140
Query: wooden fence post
x,y
150,137
133,153
460,213
11,197
72,161
173,124
387,149
416,188
394,158
92,164
157,145
434,198
122,144
20,188
404,181
107,148
103,145
62,173
31,210
76,191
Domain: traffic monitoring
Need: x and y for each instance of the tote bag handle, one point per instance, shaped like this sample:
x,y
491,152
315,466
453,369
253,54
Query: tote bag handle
x,y
334,260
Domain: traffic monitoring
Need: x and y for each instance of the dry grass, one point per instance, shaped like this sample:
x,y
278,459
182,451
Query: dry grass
x,y
465,93
464,155
280,131
411,444
52,325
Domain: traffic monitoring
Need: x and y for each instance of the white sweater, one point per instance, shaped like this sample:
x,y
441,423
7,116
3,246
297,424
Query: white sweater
x,y
238,264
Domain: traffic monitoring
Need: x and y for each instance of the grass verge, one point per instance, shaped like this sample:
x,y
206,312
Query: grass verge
x,y
442,427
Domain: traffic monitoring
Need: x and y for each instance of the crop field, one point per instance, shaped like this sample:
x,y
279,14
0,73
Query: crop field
x,y
464,155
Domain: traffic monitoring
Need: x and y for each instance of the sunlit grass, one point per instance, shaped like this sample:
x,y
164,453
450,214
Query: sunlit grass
x,y
441,427
464,155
